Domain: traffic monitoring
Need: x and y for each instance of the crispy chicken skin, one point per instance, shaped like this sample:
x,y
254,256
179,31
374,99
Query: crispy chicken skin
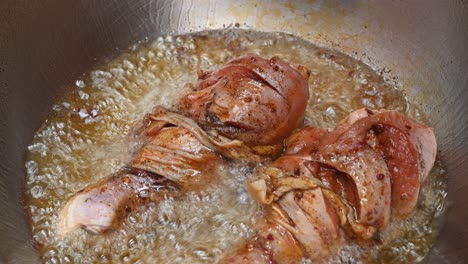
x,y
250,101
255,100
351,177
100,206
173,154
328,184
408,148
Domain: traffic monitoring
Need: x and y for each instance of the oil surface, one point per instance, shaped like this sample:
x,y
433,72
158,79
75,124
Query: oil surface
x,y
85,138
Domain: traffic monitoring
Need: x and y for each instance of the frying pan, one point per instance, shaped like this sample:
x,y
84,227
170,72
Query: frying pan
x,y
420,46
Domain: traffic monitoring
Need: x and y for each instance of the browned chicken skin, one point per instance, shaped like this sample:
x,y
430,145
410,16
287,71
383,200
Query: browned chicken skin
x,y
408,148
349,177
174,153
170,156
172,150
255,100
102,205
259,96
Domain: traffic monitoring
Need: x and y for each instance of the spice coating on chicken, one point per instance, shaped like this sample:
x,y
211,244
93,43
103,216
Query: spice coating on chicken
x,y
173,153
350,176
250,99
366,168
408,148
100,206
255,100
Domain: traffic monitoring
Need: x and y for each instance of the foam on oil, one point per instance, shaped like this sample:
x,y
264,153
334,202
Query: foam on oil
x,y
84,139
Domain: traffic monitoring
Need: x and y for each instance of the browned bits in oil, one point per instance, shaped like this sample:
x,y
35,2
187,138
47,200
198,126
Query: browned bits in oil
x,y
180,50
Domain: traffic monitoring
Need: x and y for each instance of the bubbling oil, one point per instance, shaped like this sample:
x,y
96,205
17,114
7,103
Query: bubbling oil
x,y
85,138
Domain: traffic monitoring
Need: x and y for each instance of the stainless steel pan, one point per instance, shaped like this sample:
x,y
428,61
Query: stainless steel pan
x,y
45,45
